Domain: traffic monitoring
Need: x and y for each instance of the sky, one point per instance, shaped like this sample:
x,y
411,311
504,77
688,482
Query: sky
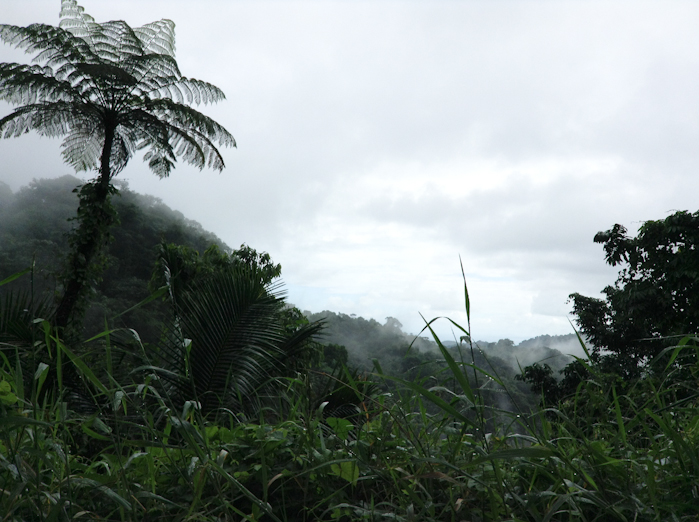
x,y
381,144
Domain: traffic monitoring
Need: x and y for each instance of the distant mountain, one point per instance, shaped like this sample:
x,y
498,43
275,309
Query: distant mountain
x,y
553,350
367,339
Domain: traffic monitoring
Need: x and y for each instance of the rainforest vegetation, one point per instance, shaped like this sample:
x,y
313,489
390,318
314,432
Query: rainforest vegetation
x,y
148,371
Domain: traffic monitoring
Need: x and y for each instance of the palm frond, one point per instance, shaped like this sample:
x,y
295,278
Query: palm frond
x,y
228,339
233,323
16,314
20,332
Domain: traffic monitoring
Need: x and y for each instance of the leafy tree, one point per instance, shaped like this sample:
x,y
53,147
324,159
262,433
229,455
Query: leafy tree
x,y
111,90
543,383
334,356
655,299
180,266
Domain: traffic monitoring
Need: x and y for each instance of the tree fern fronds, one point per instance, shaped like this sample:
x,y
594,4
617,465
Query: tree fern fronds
x,y
158,37
53,44
75,19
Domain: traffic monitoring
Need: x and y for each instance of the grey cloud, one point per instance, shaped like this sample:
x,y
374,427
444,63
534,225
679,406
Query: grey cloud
x,y
321,95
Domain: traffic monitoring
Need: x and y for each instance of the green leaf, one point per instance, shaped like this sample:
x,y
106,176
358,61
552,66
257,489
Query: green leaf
x,y
92,433
40,376
341,427
435,399
467,300
6,395
532,452
21,420
103,489
15,276
86,371
155,295
347,470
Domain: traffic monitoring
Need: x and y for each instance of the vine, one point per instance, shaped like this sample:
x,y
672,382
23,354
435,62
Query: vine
x,y
87,258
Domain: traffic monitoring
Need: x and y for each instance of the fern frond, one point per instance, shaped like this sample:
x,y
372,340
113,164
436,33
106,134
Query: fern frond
x,y
185,117
152,70
82,149
75,19
91,76
158,37
48,119
26,84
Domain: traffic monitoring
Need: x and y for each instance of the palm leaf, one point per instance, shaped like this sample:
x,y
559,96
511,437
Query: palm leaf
x,y
228,339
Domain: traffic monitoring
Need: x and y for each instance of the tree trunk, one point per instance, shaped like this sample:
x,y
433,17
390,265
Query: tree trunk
x,y
95,216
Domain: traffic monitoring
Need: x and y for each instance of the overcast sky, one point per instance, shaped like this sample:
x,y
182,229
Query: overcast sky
x,y
379,141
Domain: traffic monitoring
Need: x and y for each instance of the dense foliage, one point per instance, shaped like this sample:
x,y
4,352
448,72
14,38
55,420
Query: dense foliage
x,y
625,452
186,426
633,332
34,224
655,300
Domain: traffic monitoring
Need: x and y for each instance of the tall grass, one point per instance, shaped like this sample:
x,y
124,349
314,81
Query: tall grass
x,y
426,451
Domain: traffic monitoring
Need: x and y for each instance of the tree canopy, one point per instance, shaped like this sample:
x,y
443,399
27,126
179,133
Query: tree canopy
x,y
655,299
33,227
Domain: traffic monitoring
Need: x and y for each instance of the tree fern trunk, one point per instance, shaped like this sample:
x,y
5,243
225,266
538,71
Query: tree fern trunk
x,y
95,216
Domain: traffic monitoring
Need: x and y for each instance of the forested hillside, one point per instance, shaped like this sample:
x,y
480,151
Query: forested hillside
x,y
37,223
402,353
34,227
389,370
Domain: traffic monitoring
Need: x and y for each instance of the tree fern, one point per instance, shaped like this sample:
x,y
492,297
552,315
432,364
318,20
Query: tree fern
x,y
110,90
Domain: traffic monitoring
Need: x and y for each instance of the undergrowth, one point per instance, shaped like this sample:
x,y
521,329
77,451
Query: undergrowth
x,y
425,451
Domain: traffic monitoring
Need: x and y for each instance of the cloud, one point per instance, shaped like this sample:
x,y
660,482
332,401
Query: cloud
x,y
380,141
